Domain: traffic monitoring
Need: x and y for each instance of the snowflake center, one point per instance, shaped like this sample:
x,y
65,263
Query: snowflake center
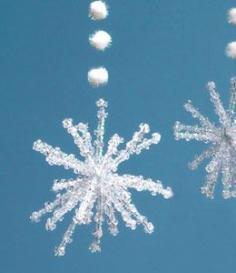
x,y
99,171
229,135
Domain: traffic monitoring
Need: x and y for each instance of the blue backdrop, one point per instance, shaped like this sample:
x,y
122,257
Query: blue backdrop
x,y
163,53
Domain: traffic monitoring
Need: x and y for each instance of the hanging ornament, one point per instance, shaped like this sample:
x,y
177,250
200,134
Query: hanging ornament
x,y
97,191
222,139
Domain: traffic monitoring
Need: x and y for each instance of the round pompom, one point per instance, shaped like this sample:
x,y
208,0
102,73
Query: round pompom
x,y
100,40
168,193
98,10
232,16
98,76
231,50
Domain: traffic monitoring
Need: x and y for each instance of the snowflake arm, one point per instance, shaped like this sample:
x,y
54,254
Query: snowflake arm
x,y
81,136
232,101
221,138
219,109
50,207
140,184
67,239
196,114
98,192
200,158
64,184
101,115
226,172
195,132
137,144
54,156
128,211
213,169
111,218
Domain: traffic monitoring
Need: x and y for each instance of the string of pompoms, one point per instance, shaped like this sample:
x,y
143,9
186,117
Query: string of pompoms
x,y
100,40
231,47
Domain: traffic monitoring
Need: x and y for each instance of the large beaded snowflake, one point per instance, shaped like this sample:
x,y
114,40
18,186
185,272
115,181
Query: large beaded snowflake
x,y
98,190
222,139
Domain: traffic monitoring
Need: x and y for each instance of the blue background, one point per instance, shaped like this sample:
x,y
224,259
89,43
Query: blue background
x,y
163,53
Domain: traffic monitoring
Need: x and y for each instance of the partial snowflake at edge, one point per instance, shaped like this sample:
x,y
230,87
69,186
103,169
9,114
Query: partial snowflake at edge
x,y
222,139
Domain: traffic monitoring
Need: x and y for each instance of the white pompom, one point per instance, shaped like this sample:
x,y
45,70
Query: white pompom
x,y
98,10
232,16
98,76
100,40
168,193
231,50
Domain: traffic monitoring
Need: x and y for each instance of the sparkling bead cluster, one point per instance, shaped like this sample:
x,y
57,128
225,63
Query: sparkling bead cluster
x,y
100,40
97,192
222,140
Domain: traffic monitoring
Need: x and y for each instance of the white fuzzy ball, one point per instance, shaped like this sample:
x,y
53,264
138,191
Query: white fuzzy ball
x,y
98,10
98,76
232,16
100,40
231,50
